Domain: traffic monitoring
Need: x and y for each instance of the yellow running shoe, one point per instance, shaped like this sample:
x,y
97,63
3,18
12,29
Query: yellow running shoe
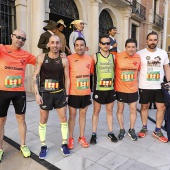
x,y
25,151
1,154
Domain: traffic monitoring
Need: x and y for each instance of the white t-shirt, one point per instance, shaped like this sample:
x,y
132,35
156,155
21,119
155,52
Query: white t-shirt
x,y
152,71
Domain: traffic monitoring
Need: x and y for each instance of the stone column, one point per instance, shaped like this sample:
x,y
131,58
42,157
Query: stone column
x,y
36,16
94,26
126,22
150,24
47,9
21,14
37,24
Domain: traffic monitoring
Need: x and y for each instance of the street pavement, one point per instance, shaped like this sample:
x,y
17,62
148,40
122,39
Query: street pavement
x,y
144,154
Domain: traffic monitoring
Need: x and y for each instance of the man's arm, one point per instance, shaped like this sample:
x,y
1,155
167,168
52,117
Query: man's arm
x,y
69,51
66,75
39,62
94,58
42,41
167,72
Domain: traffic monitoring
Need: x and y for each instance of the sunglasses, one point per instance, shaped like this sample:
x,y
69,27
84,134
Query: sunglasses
x,y
19,37
105,43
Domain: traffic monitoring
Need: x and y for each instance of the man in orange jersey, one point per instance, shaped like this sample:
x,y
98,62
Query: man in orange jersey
x,y
103,88
126,85
13,61
81,66
52,92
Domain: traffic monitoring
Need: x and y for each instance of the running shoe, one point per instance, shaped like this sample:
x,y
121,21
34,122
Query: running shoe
x,y
43,152
132,134
159,135
25,151
143,132
71,143
1,154
65,150
93,139
122,134
112,137
83,142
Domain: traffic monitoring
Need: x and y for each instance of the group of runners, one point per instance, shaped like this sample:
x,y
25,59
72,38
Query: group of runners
x,y
60,80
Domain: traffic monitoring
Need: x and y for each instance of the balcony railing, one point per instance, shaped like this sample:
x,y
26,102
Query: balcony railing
x,y
158,20
138,9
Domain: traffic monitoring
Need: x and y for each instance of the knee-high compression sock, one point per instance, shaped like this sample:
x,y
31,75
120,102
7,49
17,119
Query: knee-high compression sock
x,y
42,133
64,132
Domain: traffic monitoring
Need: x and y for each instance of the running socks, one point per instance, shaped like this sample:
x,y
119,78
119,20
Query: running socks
x,y
42,133
145,126
157,129
109,133
64,132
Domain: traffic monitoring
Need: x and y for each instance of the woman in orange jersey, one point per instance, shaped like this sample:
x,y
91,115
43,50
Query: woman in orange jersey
x,y
126,85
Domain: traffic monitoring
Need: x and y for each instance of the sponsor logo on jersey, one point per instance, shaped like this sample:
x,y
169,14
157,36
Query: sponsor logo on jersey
x,y
13,68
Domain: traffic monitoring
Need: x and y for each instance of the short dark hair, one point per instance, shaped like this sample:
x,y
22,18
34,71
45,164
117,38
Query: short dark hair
x,y
80,38
103,36
111,28
131,40
152,33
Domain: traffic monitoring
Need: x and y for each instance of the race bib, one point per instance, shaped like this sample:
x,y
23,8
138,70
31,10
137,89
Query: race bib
x,y
82,83
51,84
106,82
153,76
127,76
13,81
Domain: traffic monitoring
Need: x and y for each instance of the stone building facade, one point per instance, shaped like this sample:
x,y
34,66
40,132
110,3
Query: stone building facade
x,y
133,18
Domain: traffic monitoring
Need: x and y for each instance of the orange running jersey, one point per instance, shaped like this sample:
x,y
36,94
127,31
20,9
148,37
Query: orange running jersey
x,y
126,71
80,68
12,68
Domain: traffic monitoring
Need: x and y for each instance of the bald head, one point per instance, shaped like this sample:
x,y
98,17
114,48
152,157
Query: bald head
x,y
20,33
54,44
54,37
18,39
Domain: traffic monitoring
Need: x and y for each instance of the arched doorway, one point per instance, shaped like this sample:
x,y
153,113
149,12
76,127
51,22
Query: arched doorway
x,y
65,10
105,22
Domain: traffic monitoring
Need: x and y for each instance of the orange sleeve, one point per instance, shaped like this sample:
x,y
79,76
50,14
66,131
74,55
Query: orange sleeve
x,y
32,59
92,67
139,63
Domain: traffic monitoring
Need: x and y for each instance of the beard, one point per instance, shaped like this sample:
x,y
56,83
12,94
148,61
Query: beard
x,y
152,46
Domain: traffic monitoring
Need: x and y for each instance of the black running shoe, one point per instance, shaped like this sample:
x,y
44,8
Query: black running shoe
x,y
93,139
112,137
132,134
122,134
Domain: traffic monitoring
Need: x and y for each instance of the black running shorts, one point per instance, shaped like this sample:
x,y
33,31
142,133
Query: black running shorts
x,y
79,101
18,99
127,97
53,100
104,97
147,96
